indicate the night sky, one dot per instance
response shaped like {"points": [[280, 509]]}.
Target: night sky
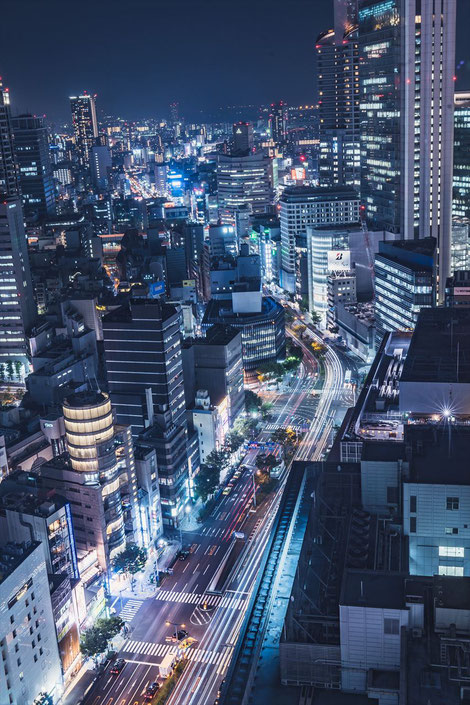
{"points": [[139, 55]]}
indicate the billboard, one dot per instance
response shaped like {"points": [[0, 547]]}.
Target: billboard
{"points": [[156, 289], [297, 173], [339, 260]]}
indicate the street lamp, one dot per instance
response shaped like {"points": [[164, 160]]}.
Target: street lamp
{"points": [[175, 625]]}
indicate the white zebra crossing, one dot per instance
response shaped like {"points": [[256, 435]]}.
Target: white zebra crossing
{"points": [[147, 648], [130, 609], [226, 601]]}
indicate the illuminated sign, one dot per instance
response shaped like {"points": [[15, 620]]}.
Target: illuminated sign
{"points": [[189, 282], [156, 289], [339, 260], [297, 173]]}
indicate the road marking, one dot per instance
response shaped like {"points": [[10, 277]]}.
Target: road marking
{"points": [[185, 567], [195, 568], [130, 609], [205, 571]]}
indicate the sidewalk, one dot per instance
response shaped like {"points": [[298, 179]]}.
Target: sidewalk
{"points": [[120, 586]]}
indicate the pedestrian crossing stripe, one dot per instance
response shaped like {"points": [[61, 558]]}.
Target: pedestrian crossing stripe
{"points": [[147, 648], [226, 601], [130, 610]]}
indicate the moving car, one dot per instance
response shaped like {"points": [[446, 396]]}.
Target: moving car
{"points": [[182, 555], [151, 691], [228, 489], [117, 666], [182, 634]]}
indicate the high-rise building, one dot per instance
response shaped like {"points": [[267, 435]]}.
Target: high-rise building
{"points": [[17, 306], [97, 476], [407, 121], [8, 168], [101, 163], [302, 206], [243, 181], [461, 183], [404, 281], [85, 125], [278, 117], [34, 166], [242, 137], [215, 363], [143, 363], [30, 655], [338, 98]]}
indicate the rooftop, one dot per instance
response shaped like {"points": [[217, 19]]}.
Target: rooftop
{"points": [[87, 398], [440, 347], [12, 555], [438, 453], [334, 193]]}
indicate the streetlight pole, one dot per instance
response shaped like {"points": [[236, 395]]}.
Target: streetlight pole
{"points": [[175, 625]]}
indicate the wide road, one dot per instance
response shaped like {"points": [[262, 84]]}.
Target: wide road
{"points": [[181, 596]]}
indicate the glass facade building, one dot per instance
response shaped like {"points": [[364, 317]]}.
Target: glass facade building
{"points": [[404, 277], [461, 183]]}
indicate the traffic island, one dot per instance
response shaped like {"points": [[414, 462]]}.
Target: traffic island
{"points": [[170, 683]]}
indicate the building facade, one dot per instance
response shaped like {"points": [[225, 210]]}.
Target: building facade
{"points": [[34, 167], [85, 125], [303, 206]]}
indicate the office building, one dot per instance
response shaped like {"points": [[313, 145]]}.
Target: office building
{"points": [[85, 125], [340, 289], [29, 512], [150, 510], [143, 363], [210, 422], [277, 122], [461, 182], [458, 289], [263, 331], [327, 253], [34, 167], [302, 206], [29, 654], [242, 138], [404, 281], [223, 240], [101, 164], [406, 188], [8, 168], [355, 323], [17, 308], [243, 181], [338, 99], [97, 476], [215, 363]]}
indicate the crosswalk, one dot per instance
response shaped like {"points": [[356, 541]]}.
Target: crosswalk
{"points": [[230, 601], [144, 649], [130, 610], [301, 428]]}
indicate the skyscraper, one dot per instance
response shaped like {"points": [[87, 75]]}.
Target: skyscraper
{"points": [[143, 362], [242, 137], [34, 166], [407, 119], [85, 125], [461, 185], [338, 98], [278, 121], [17, 307], [243, 181]]}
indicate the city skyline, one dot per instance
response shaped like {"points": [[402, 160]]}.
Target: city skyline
{"points": [[249, 63]]}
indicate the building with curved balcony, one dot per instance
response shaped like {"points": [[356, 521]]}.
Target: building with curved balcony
{"points": [[97, 475]]}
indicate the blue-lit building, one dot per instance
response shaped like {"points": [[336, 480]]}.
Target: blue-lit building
{"points": [[404, 275], [461, 184], [34, 166]]}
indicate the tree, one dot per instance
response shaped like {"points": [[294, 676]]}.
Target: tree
{"points": [[206, 481], [265, 409], [266, 463], [233, 441], [131, 560], [218, 459], [252, 401], [303, 304], [93, 643], [95, 640], [316, 318]]}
